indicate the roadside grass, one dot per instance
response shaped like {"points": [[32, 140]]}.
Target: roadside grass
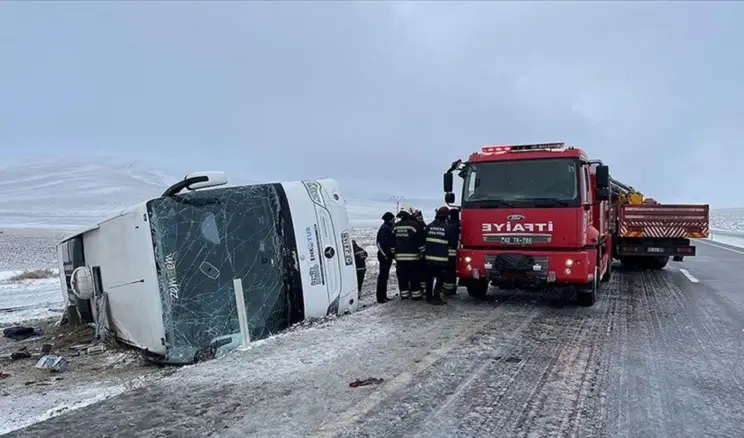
{"points": [[34, 274]]}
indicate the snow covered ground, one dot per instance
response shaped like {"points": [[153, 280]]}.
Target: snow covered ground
{"points": [[734, 238], [25, 300], [28, 395]]}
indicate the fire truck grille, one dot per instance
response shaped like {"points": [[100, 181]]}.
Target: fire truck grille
{"points": [[541, 260]]}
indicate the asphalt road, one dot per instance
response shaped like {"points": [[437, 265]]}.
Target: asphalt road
{"points": [[659, 355]]}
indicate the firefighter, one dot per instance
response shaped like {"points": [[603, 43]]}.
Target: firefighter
{"points": [[449, 285], [360, 260], [385, 251], [419, 216], [409, 245], [439, 240]]}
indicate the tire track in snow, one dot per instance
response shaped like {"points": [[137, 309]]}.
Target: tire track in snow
{"points": [[348, 419], [528, 372]]}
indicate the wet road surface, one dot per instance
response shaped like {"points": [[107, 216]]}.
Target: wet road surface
{"points": [[659, 355]]}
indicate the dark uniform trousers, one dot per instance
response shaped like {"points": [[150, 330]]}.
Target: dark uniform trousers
{"points": [[409, 278], [435, 277], [383, 276], [361, 273], [449, 282]]}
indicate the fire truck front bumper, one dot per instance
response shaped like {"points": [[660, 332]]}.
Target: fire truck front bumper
{"points": [[530, 267]]}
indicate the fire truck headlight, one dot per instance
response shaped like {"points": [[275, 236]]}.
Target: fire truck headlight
{"points": [[569, 262], [468, 259], [567, 271]]}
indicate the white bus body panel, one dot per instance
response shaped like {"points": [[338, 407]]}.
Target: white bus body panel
{"points": [[336, 205], [122, 246], [318, 224]]}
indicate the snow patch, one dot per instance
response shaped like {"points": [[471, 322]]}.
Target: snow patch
{"points": [[22, 411], [28, 299], [728, 238]]}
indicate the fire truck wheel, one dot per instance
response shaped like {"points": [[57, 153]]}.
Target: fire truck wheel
{"points": [[630, 263], [477, 288], [659, 262], [587, 296], [608, 274]]}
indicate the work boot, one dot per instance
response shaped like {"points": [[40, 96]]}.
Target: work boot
{"points": [[383, 301], [436, 301]]}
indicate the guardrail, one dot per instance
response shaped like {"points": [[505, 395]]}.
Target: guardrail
{"points": [[727, 233]]}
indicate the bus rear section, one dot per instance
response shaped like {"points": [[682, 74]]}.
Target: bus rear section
{"points": [[648, 234]]}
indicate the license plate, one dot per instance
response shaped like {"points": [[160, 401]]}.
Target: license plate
{"points": [[656, 250], [511, 240]]}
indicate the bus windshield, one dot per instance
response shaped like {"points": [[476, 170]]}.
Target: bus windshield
{"points": [[202, 241]]}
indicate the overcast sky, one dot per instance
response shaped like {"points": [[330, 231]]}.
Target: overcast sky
{"points": [[382, 96]]}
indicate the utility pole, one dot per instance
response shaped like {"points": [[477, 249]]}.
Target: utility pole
{"points": [[397, 200]]}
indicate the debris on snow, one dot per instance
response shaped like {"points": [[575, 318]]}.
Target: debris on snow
{"points": [[366, 382], [97, 349], [88, 379], [20, 332], [55, 364]]}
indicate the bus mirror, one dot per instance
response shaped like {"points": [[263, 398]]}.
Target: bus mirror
{"points": [[449, 197], [603, 177], [196, 180], [448, 182]]}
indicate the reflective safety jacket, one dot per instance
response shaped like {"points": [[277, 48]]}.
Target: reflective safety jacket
{"points": [[409, 240], [440, 239]]}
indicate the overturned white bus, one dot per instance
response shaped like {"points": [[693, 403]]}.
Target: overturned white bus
{"points": [[190, 276]]}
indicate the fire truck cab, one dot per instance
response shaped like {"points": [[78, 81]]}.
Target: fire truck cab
{"points": [[533, 214]]}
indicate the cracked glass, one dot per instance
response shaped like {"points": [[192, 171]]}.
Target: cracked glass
{"points": [[202, 241]]}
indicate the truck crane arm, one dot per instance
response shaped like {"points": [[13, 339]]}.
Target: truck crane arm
{"points": [[625, 194]]}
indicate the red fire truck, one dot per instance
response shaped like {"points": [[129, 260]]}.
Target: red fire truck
{"points": [[545, 214]]}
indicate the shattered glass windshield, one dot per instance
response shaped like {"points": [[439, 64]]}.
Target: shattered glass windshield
{"points": [[539, 182], [205, 239]]}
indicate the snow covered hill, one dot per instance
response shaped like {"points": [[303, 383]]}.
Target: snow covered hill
{"points": [[72, 194], [76, 194]]}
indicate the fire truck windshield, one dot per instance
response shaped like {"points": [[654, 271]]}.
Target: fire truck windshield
{"points": [[540, 182]]}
